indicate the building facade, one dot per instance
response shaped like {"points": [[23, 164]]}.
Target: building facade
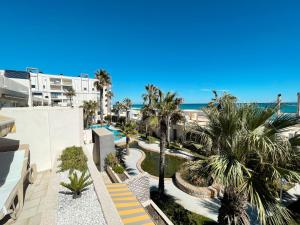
{"points": [[48, 89]]}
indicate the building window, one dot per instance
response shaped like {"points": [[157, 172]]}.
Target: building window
{"points": [[93, 89], [84, 89], [32, 86], [46, 96], [44, 86]]}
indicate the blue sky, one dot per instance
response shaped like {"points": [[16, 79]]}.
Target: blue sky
{"points": [[249, 48]]}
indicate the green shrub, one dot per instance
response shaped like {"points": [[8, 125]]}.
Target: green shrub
{"points": [[72, 158], [177, 214], [151, 140], [111, 160], [77, 185], [195, 174], [108, 118], [118, 169]]}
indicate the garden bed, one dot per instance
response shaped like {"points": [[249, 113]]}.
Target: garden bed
{"points": [[200, 192], [177, 214], [83, 210]]}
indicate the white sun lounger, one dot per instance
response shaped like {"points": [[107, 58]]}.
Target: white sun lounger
{"points": [[14, 171]]}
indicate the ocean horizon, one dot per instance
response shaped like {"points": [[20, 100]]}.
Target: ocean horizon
{"points": [[286, 107]]}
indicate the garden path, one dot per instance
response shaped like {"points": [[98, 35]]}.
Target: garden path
{"points": [[205, 207]]}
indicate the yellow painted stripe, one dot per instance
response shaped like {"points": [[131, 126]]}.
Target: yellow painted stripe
{"points": [[123, 205], [117, 190], [114, 187], [116, 184], [122, 194], [135, 219], [131, 211], [149, 224], [124, 198]]}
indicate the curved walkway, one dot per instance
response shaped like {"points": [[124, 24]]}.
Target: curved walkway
{"points": [[155, 148], [205, 207]]}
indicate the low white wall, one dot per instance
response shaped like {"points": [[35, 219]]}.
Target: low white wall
{"points": [[47, 130]]}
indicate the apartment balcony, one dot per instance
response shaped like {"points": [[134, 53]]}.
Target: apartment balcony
{"points": [[67, 82], [55, 81], [55, 87]]}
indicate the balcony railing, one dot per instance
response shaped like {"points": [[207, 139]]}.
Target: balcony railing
{"points": [[55, 87], [11, 85]]}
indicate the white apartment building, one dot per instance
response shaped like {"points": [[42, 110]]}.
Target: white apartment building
{"points": [[49, 89]]}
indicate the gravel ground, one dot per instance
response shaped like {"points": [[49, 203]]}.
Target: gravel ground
{"points": [[84, 210]]}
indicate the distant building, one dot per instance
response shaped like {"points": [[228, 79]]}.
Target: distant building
{"points": [[14, 93], [49, 89]]}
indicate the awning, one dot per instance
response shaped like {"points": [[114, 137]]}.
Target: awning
{"points": [[7, 125]]}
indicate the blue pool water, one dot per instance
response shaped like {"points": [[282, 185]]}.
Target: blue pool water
{"points": [[117, 134]]}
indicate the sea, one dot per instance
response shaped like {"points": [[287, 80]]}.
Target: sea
{"points": [[285, 107]]}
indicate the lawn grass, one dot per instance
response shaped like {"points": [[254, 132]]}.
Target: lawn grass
{"points": [[151, 164], [177, 214]]}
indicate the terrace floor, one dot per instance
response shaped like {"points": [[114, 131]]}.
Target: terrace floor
{"points": [[36, 201]]}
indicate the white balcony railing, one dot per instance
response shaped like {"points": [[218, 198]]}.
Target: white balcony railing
{"points": [[11, 85]]}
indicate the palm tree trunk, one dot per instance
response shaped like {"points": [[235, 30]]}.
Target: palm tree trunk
{"points": [[127, 145], [168, 132], [101, 104], [233, 208], [146, 128], [161, 184]]}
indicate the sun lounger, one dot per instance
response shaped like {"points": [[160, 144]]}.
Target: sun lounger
{"points": [[15, 170]]}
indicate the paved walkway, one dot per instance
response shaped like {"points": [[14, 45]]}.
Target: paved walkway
{"points": [[155, 148], [129, 208], [205, 207], [35, 201]]}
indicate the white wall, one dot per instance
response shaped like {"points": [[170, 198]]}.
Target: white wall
{"points": [[47, 130]]}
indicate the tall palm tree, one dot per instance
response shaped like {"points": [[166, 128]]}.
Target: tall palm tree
{"points": [[127, 104], [129, 129], [89, 111], [103, 80], [117, 108], [151, 95], [148, 109], [165, 106], [249, 156], [109, 95], [70, 93]]}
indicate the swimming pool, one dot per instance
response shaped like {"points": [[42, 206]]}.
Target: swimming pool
{"points": [[117, 134]]}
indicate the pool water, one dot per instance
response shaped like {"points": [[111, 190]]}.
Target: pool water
{"points": [[117, 134], [151, 164]]}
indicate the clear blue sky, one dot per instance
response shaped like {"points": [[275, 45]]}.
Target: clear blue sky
{"points": [[250, 48]]}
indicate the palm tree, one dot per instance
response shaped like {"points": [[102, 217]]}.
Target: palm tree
{"points": [[148, 109], [117, 108], [147, 118], [70, 93], [103, 80], [129, 129], [164, 107], [89, 111], [127, 104], [151, 95], [250, 157], [109, 95]]}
